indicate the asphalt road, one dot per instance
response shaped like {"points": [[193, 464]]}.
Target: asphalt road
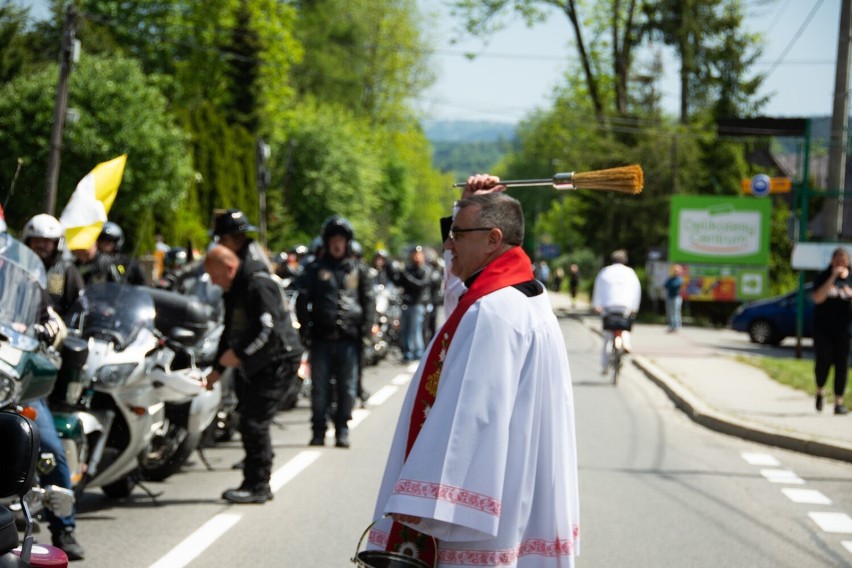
{"points": [[656, 490]]}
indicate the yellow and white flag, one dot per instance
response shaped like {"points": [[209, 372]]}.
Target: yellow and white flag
{"points": [[86, 212]]}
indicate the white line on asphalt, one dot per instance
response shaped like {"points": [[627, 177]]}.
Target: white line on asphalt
{"points": [[382, 395], [833, 522], [412, 368], [809, 496], [847, 544], [759, 459], [292, 468], [358, 416], [197, 542], [782, 476], [401, 379]]}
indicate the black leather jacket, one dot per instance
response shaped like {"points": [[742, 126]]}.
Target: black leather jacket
{"points": [[336, 300], [258, 326]]}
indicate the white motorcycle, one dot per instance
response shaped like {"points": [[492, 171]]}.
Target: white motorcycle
{"points": [[113, 410], [191, 339]]}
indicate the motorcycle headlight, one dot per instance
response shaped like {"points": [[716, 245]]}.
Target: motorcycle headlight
{"points": [[114, 375]]}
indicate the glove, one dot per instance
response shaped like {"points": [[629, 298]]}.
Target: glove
{"points": [[59, 500]]}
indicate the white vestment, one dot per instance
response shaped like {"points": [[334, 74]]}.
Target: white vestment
{"points": [[493, 472]]}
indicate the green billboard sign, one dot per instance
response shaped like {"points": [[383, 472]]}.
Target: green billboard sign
{"points": [[719, 230]]}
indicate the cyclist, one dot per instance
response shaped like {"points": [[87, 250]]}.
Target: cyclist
{"points": [[617, 290]]}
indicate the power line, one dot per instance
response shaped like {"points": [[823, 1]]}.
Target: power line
{"points": [[795, 38]]}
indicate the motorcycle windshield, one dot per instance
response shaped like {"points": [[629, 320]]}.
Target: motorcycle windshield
{"points": [[113, 311], [22, 282]]}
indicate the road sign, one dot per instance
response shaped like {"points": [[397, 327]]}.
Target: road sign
{"points": [[758, 185]]}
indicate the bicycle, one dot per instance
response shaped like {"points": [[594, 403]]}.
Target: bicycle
{"points": [[616, 323]]}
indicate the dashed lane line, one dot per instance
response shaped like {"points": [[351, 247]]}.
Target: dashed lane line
{"points": [[782, 476], [847, 544], [832, 522], [807, 496], [196, 543], [760, 459]]}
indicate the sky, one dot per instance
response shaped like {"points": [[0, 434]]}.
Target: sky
{"points": [[516, 69]]}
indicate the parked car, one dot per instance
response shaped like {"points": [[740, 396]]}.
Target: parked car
{"points": [[769, 321]]}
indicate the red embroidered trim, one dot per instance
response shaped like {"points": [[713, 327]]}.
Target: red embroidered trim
{"points": [[532, 547], [454, 495], [377, 537]]}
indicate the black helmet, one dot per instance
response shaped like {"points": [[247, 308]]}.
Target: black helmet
{"points": [[232, 222], [337, 225], [176, 256], [300, 250], [112, 232]]}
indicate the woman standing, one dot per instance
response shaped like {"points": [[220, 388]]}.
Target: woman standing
{"points": [[832, 294]]}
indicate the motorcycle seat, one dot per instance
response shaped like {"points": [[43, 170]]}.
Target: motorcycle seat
{"points": [[19, 442], [8, 531]]}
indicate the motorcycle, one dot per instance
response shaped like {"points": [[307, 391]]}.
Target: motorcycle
{"points": [[385, 332], [19, 443], [112, 412], [191, 339]]}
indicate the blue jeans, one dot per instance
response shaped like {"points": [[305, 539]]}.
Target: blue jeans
{"points": [[412, 331], [336, 359], [60, 475], [673, 306]]}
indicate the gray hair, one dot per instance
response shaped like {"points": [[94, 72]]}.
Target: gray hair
{"points": [[619, 256], [501, 211]]}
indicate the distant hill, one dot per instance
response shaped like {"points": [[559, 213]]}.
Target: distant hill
{"points": [[467, 130], [466, 147]]}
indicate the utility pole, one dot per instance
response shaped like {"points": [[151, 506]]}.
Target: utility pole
{"points": [[67, 57], [839, 124]]}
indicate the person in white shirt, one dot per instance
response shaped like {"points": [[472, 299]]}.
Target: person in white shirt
{"points": [[617, 290]]}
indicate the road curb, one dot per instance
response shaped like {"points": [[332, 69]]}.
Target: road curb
{"points": [[702, 414]]}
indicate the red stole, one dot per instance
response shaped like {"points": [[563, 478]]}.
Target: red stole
{"points": [[510, 268]]}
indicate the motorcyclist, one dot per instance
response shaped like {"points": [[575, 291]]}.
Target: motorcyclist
{"points": [[46, 237], [230, 229], [335, 307], [110, 243], [102, 261]]}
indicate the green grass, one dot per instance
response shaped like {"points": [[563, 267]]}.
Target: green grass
{"points": [[797, 373]]}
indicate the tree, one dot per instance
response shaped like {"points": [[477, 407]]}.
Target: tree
{"points": [[120, 112], [13, 54]]}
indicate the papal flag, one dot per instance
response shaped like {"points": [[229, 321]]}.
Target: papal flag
{"points": [[86, 212]]}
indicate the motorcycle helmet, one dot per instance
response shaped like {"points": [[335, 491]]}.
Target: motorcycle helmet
{"points": [[112, 232], [300, 250], [46, 227], [232, 222], [337, 225], [176, 257]]}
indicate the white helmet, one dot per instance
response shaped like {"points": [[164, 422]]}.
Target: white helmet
{"points": [[46, 227]]}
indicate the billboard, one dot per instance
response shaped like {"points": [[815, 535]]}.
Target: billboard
{"points": [[719, 230]]}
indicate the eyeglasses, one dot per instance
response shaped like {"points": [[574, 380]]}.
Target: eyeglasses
{"points": [[454, 231]]}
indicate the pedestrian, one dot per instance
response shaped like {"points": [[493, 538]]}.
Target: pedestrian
{"points": [[336, 309], [483, 460], [558, 278], [46, 237], [674, 300], [616, 291], [573, 283], [542, 273], [259, 339], [832, 294], [415, 282]]}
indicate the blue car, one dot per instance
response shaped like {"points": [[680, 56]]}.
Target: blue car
{"points": [[769, 321]]}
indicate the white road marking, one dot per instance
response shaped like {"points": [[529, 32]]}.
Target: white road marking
{"points": [[401, 379], [197, 542], [760, 459], [382, 395], [782, 476], [292, 468], [412, 368], [358, 416], [809, 496], [833, 522], [847, 544]]}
